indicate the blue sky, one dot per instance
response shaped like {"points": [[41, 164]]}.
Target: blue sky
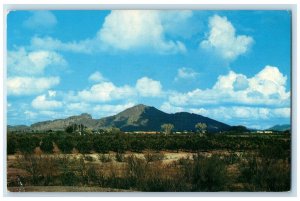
{"points": [[233, 66]]}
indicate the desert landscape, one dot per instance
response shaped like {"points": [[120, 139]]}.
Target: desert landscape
{"points": [[111, 160], [148, 100]]}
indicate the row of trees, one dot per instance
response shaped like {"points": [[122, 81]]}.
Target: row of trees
{"points": [[122, 142]]}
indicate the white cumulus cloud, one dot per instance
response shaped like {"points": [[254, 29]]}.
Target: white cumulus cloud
{"points": [[106, 91], [223, 39], [44, 102], [168, 108], [134, 29], [29, 85], [129, 30], [22, 62], [111, 109], [268, 87], [147, 87]]}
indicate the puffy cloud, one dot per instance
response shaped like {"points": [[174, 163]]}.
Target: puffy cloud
{"points": [[128, 30], [105, 91], [42, 102], [134, 29], [28, 85], [240, 83], [107, 110], [95, 109], [40, 19], [186, 73], [21, 62], [148, 88], [26, 67], [223, 39], [269, 81], [168, 108], [96, 77], [268, 87]]}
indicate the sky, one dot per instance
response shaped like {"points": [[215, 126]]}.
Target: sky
{"points": [[232, 66]]}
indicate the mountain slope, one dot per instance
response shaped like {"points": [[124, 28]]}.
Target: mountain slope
{"points": [[61, 124], [146, 118], [137, 118]]}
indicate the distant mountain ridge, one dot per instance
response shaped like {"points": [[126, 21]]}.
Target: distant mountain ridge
{"points": [[282, 127], [61, 124], [136, 118], [18, 128]]}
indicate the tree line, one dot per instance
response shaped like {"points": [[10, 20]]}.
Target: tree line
{"points": [[121, 142]]}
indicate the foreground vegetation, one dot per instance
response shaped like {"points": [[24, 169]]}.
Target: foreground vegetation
{"points": [[140, 162]]}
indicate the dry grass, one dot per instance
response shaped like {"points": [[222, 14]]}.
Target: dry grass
{"points": [[147, 171]]}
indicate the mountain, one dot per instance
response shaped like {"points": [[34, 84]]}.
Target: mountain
{"points": [[282, 127], [147, 118], [18, 128], [137, 118], [61, 124]]}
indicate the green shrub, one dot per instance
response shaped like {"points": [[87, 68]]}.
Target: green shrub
{"points": [[89, 158], [69, 179], [65, 144], [120, 157], [11, 145], [84, 146], [136, 170], [47, 145], [262, 174], [231, 159], [151, 156], [27, 144], [206, 174], [104, 158]]}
